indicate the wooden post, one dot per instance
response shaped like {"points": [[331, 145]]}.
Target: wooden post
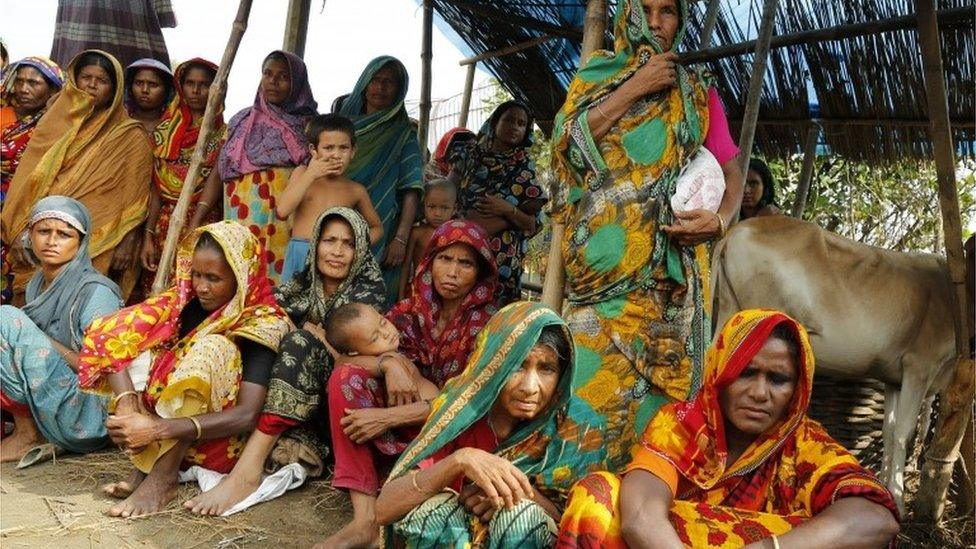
{"points": [[806, 175], [711, 17], [956, 401], [425, 78], [553, 286], [216, 97], [296, 26], [466, 98], [751, 114]]}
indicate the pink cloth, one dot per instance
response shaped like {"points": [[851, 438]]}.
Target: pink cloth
{"points": [[718, 140]]}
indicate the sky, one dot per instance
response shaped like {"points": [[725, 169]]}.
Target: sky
{"points": [[343, 36]]}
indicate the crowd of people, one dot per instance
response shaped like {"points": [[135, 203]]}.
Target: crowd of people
{"points": [[337, 304]]}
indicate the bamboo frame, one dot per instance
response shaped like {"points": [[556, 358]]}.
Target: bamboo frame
{"points": [[466, 97], [806, 174], [425, 78], [296, 26], [751, 114]]}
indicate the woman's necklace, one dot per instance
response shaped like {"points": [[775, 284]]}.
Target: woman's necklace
{"points": [[491, 425]]}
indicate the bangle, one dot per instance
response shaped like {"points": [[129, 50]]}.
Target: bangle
{"points": [[400, 240], [775, 542], [413, 478], [600, 110], [120, 396], [721, 225], [196, 423], [150, 231], [202, 204]]}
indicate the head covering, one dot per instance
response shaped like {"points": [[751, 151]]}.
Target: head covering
{"points": [[48, 69], [266, 135], [487, 131], [303, 297], [555, 449], [768, 197], [445, 152], [112, 342], [55, 308], [441, 358], [166, 75]]}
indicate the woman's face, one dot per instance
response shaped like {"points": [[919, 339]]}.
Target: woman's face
{"points": [[662, 17], [511, 127], [54, 242], [753, 191], [455, 271], [336, 250], [96, 82], [382, 90], [758, 398], [212, 278], [31, 90], [275, 81], [149, 89], [196, 87], [529, 390]]}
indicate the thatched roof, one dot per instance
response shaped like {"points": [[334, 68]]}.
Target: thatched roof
{"points": [[866, 91]]}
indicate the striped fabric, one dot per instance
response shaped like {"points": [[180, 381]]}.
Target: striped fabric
{"points": [[128, 29]]}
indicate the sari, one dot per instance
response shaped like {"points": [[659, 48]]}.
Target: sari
{"points": [[35, 379], [554, 450], [638, 305], [264, 144], [509, 175], [790, 473], [100, 158], [200, 372], [387, 160], [174, 141], [446, 153]]}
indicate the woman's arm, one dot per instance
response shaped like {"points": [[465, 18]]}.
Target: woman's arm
{"points": [[397, 246], [407, 266], [644, 504], [522, 218], [849, 523], [149, 255], [657, 74], [210, 196]]}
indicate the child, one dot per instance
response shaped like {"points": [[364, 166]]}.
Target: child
{"points": [[321, 185], [440, 204]]}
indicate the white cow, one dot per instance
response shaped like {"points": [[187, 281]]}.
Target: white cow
{"points": [[871, 313]]}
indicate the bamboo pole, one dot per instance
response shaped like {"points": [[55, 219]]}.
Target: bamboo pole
{"points": [[425, 79], [466, 98], [806, 174], [296, 26], [217, 92], [553, 286], [755, 84], [711, 17], [956, 400], [507, 50]]}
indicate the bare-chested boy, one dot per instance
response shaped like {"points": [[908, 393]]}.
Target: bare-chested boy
{"points": [[322, 185], [440, 205]]}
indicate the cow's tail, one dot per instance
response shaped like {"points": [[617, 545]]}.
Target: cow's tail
{"points": [[720, 284]]}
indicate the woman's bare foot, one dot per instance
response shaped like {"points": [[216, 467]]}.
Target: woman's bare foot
{"points": [[354, 534], [231, 490], [124, 489], [14, 447], [151, 496]]}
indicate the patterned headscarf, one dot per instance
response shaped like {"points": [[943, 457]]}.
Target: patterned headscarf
{"points": [[441, 358], [445, 152], [303, 297], [48, 69]]}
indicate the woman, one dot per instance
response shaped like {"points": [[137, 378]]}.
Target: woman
{"points": [[148, 89], [451, 301], [387, 158], [497, 425], [446, 153], [213, 338], [759, 195], [747, 465], [90, 150], [293, 426], [175, 139], [637, 273], [39, 344], [264, 144], [498, 190]]}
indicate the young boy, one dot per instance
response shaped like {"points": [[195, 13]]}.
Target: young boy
{"points": [[440, 204], [321, 185]]}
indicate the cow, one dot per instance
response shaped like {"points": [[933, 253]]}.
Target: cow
{"points": [[870, 312]]}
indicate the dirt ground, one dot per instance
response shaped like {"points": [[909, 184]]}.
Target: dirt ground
{"points": [[60, 505]]}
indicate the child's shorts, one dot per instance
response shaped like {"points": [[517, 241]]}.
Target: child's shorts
{"points": [[295, 257]]}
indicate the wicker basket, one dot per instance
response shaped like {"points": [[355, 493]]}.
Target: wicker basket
{"points": [[852, 411]]}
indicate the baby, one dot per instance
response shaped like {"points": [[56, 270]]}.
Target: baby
{"points": [[440, 205]]}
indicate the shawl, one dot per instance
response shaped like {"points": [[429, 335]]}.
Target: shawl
{"points": [[555, 449], [267, 136], [303, 297], [794, 467], [415, 317], [102, 159], [446, 150], [147, 63], [175, 139], [633, 167], [56, 308], [113, 341]]}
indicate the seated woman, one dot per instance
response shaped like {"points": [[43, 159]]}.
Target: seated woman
{"points": [[451, 301], [213, 338], [39, 344], [749, 467], [759, 193], [494, 461], [340, 269]]}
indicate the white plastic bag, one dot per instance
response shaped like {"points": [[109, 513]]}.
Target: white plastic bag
{"points": [[701, 184]]}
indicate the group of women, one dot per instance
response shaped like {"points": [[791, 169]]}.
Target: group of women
{"points": [[461, 420]]}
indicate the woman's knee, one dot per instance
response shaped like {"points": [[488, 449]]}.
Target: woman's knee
{"points": [[12, 318]]}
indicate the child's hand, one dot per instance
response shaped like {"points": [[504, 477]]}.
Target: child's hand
{"points": [[315, 329], [322, 166], [494, 205], [401, 388]]}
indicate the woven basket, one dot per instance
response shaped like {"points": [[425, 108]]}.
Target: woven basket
{"points": [[852, 411]]}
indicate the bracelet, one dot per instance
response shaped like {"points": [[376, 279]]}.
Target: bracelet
{"points": [[196, 423], [775, 542], [150, 231], [120, 396], [400, 240], [203, 204], [721, 225], [599, 110], [413, 477]]}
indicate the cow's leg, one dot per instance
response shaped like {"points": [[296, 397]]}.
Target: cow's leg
{"points": [[907, 407], [924, 424], [892, 393]]}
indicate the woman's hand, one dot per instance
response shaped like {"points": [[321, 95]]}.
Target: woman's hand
{"points": [[503, 483], [396, 249], [315, 330], [477, 503], [133, 432], [657, 74], [493, 205], [149, 256], [125, 254], [694, 227], [401, 387], [364, 424]]}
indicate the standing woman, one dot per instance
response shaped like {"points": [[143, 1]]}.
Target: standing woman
{"points": [[175, 139], [387, 158], [637, 272], [148, 89], [759, 195], [497, 189], [264, 144], [86, 148]]}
